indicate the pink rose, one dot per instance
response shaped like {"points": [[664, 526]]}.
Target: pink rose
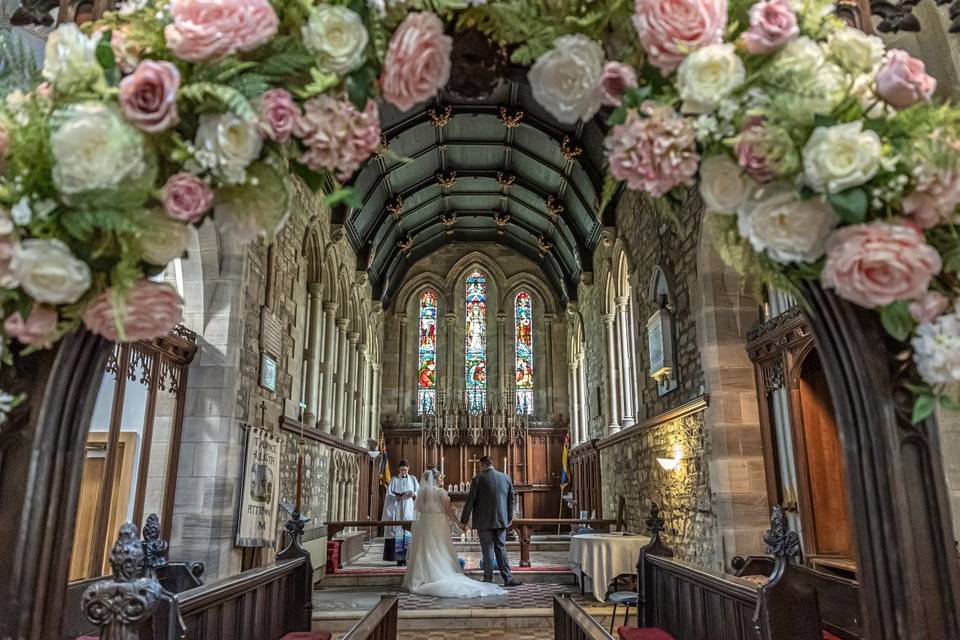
{"points": [[148, 96], [44, 90], [212, 29], [929, 306], [772, 25], [279, 113], [337, 136], [878, 263], [751, 152], [417, 64], [38, 330], [653, 152], [152, 310], [186, 197], [616, 80], [125, 50], [936, 194], [672, 29], [903, 81]]}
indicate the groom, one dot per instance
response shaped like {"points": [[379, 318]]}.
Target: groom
{"points": [[490, 502]]}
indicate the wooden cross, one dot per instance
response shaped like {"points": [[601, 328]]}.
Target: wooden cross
{"points": [[474, 460]]}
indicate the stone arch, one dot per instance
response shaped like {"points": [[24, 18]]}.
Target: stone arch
{"points": [[411, 290], [464, 265]]}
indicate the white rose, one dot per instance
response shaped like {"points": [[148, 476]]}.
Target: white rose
{"points": [[49, 272], [864, 89], [807, 83], [723, 184], [94, 148], [774, 219], [232, 142], [936, 349], [709, 75], [854, 50], [337, 36], [168, 241], [840, 157], [566, 79], [70, 59]]}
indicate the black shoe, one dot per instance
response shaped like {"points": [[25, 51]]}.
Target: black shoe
{"points": [[488, 579], [512, 583]]}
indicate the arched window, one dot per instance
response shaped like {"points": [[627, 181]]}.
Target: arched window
{"points": [[427, 354], [523, 351], [475, 347]]}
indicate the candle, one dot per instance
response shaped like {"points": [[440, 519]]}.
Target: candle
{"points": [[442, 460], [504, 464]]}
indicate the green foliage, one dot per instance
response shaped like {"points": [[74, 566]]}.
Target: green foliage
{"points": [[84, 224], [19, 67], [219, 98], [610, 185], [923, 407], [946, 240], [29, 155], [346, 195], [851, 205], [896, 320], [322, 82]]}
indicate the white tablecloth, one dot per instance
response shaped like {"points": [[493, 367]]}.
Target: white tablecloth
{"points": [[604, 556]]}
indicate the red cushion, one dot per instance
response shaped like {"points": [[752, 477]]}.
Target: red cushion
{"points": [[829, 636], [308, 635], [648, 633]]}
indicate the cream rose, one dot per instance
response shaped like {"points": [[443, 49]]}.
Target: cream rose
{"points": [[854, 50], [723, 184], [775, 220], [709, 75], [93, 149], [231, 142], [168, 240], [49, 272], [566, 79], [337, 36], [70, 59], [840, 157], [808, 84]]}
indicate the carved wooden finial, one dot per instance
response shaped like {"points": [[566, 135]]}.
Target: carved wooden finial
{"points": [[154, 547], [655, 524], [781, 542]]}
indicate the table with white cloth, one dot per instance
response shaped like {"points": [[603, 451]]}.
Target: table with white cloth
{"points": [[604, 556]]}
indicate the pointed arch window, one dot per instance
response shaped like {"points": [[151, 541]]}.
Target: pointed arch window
{"points": [[523, 351], [475, 344], [427, 354]]}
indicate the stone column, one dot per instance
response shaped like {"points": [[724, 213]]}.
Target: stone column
{"points": [[501, 359], [360, 391], [311, 385], [375, 404], [582, 399], [626, 361], [550, 395], [339, 395], [329, 363], [402, 369], [450, 375], [350, 388], [614, 425], [574, 399]]}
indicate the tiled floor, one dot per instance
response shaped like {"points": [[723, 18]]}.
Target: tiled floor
{"points": [[372, 558]]}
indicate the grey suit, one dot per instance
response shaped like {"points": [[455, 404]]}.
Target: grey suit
{"points": [[490, 502]]}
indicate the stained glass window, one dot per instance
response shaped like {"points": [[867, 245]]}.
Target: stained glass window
{"points": [[427, 354], [523, 351], [475, 349]]}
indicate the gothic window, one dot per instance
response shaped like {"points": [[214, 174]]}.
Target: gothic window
{"points": [[427, 354], [523, 352], [475, 347]]}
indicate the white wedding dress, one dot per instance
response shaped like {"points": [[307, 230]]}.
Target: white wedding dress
{"points": [[432, 565]]}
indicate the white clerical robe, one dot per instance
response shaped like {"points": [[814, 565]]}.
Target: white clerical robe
{"points": [[396, 509]]}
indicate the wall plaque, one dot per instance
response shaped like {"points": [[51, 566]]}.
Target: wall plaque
{"points": [[660, 344], [268, 372]]}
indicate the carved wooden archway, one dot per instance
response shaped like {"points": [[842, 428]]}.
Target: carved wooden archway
{"points": [[908, 569]]}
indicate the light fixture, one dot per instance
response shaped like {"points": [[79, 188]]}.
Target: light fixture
{"points": [[669, 464]]}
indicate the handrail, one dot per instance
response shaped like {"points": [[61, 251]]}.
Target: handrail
{"points": [[571, 622], [725, 583], [379, 624], [196, 599]]}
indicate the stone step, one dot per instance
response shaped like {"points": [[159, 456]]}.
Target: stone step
{"points": [[453, 619], [395, 579]]}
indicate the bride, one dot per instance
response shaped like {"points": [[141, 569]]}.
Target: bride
{"points": [[432, 565]]}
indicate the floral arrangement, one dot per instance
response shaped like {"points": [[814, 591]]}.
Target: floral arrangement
{"points": [[819, 155]]}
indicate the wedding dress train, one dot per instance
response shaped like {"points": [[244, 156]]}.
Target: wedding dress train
{"points": [[432, 565]]}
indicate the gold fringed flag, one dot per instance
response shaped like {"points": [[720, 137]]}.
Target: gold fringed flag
{"points": [[384, 462]]}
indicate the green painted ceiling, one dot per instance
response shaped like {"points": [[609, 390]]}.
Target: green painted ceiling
{"points": [[498, 169]]}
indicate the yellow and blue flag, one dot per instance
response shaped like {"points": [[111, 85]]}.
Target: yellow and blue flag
{"points": [[565, 463], [384, 462]]}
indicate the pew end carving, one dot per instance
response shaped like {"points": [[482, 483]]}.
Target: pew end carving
{"points": [[175, 577]]}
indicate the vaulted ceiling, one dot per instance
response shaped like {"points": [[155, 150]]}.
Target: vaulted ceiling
{"points": [[497, 169]]}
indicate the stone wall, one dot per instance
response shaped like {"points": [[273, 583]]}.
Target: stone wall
{"points": [[315, 492], [630, 469]]}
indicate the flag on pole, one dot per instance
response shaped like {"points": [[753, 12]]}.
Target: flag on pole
{"points": [[384, 462], [565, 463]]}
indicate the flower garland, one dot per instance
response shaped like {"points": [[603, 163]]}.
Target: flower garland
{"points": [[818, 154]]}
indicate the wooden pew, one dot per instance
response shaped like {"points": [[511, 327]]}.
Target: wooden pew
{"points": [[379, 624], [571, 622]]}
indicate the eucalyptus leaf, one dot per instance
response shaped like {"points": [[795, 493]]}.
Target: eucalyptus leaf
{"points": [[617, 117], [850, 205], [923, 408], [897, 320]]}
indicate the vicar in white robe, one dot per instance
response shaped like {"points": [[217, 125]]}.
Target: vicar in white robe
{"points": [[398, 504]]}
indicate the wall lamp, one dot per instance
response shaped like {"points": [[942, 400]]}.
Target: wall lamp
{"points": [[670, 464]]}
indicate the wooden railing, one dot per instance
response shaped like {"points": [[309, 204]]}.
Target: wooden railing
{"points": [[571, 622], [525, 527], [379, 624], [333, 528]]}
